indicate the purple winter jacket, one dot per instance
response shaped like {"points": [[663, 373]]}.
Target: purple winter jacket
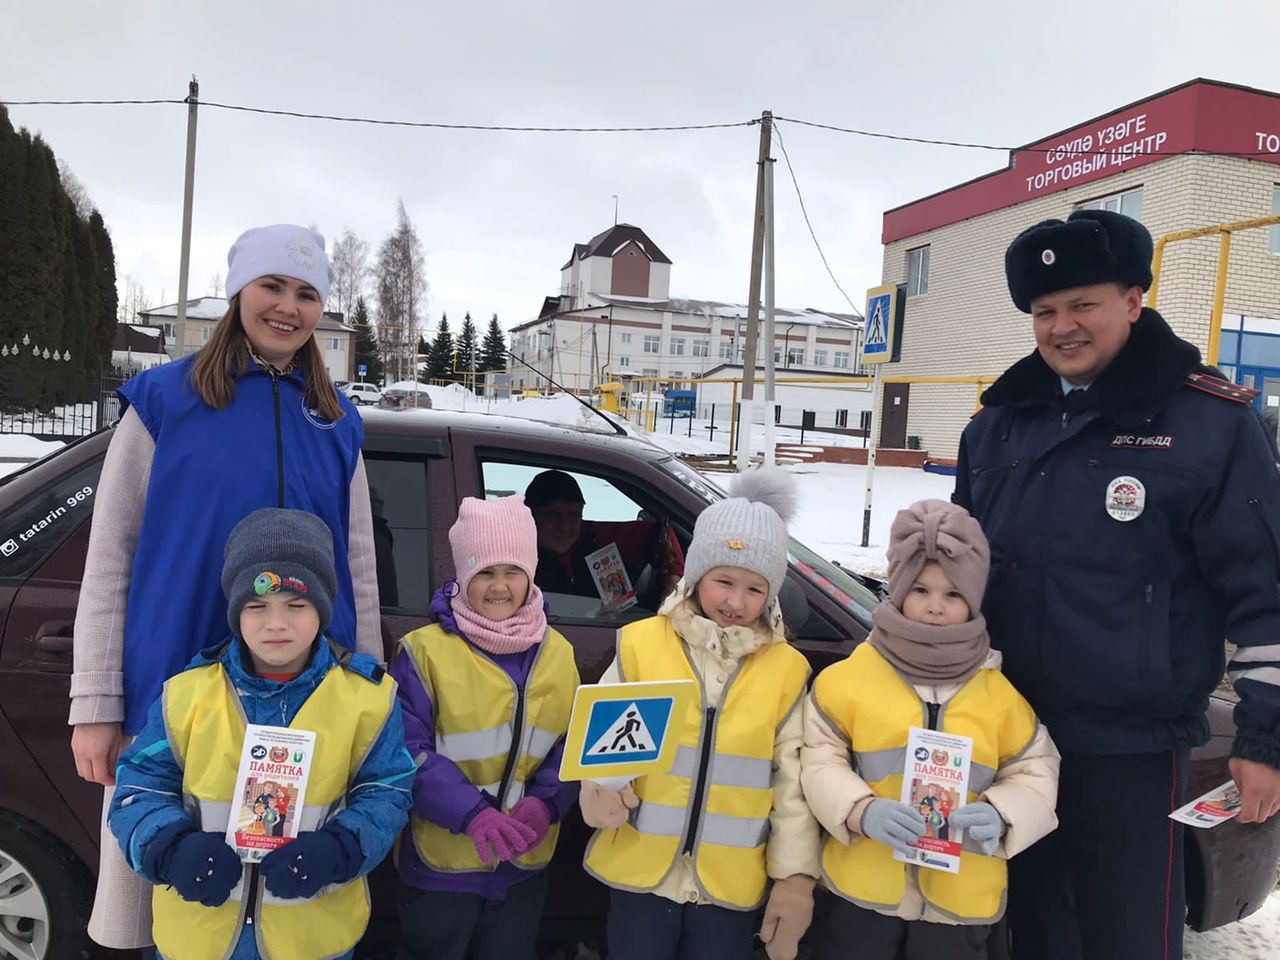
{"points": [[441, 791]]}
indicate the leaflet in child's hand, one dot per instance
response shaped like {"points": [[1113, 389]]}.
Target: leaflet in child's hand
{"points": [[935, 782], [1217, 806], [270, 789], [610, 574]]}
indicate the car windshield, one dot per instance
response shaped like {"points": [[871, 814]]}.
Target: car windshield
{"points": [[828, 577]]}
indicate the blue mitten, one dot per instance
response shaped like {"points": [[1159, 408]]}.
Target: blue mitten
{"points": [[982, 822], [303, 867], [892, 823], [199, 865]]}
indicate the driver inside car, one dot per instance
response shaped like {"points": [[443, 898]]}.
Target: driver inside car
{"points": [[565, 540]]}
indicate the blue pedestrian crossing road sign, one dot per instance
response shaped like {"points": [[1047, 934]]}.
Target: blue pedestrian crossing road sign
{"points": [[625, 729], [882, 317]]}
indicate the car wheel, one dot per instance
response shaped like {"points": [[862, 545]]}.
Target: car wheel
{"points": [[45, 894]]}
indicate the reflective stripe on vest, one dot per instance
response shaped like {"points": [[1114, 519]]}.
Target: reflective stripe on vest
{"points": [[873, 708], [205, 723], [728, 839], [478, 711]]}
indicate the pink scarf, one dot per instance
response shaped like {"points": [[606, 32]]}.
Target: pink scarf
{"points": [[516, 634]]}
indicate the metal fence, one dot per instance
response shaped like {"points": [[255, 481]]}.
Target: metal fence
{"points": [[67, 421]]}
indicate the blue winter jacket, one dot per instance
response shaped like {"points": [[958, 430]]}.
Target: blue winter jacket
{"points": [[148, 795], [1110, 599], [212, 468]]}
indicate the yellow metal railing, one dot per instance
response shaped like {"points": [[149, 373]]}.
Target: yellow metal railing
{"points": [[1224, 231]]}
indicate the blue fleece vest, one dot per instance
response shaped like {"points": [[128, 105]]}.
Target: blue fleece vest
{"points": [[212, 468]]}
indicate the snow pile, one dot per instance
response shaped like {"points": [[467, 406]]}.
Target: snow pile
{"points": [[17, 450]]}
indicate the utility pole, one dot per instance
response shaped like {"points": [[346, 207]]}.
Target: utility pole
{"points": [[753, 294], [770, 358], [188, 190]]}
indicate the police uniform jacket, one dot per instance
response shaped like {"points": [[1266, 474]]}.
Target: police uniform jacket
{"points": [[1133, 529]]}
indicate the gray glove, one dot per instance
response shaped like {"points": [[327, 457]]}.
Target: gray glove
{"points": [[892, 823], [982, 823]]}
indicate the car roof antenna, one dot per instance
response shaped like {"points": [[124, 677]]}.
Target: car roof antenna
{"points": [[599, 413]]}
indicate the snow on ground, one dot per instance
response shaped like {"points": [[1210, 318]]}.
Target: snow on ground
{"points": [[830, 516], [1253, 938], [17, 450]]}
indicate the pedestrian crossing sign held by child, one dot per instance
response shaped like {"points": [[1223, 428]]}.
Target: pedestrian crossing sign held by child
{"points": [[625, 729]]}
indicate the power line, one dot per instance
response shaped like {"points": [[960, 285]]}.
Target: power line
{"points": [[808, 222], [83, 103], [376, 121], [1070, 154], [513, 128]]}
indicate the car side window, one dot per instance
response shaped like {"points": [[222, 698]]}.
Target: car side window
{"points": [[30, 532], [401, 503], [587, 559]]}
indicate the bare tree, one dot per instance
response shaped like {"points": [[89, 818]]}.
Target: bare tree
{"points": [[75, 190], [350, 271], [132, 301], [402, 289], [215, 285]]}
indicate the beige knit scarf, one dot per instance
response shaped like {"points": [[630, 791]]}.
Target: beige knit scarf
{"points": [[927, 654]]}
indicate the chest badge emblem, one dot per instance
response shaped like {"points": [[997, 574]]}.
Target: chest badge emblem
{"points": [[1126, 499]]}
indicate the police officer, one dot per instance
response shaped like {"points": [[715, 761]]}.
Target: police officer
{"points": [[1133, 506]]}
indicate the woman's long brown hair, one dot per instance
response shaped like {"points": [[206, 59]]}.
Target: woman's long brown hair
{"points": [[226, 357]]}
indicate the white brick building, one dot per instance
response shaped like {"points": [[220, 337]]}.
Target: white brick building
{"points": [[1159, 159], [614, 318]]}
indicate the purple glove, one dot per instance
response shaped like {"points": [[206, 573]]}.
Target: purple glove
{"points": [[508, 837], [533, 813]]}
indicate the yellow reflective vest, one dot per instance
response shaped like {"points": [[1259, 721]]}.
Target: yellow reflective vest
{"points": [[206, 725], [714, 803], [874, 707], [496, 733]]}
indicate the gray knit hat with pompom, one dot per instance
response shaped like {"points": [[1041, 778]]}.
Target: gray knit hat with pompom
{"points": [[747, 530]]}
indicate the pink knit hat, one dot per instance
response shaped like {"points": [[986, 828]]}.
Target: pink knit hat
{"points": [[941, 531], [490, 532]]}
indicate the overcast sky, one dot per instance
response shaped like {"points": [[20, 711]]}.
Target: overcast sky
{"points": [[498, 212]]}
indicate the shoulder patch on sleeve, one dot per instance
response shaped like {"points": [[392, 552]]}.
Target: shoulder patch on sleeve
{"points": [[1217, 387]]}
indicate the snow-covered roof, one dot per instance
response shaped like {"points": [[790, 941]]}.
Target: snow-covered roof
{"points": [[213, 308], [201, 308], [153, 332], [708, 309]]}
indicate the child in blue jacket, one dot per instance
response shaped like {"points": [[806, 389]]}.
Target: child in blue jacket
{"points": [[176, 782]]}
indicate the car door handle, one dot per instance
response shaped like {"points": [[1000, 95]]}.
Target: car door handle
{"points": [[53, 639]]}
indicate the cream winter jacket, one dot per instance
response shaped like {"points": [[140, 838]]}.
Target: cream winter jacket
{"points": [[793, 846], [1025, 791]]}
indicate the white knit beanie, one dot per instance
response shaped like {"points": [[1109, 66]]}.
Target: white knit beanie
{"points": [[747, 530], [282, 249]]}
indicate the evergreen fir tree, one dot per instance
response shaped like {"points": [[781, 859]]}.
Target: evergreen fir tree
{"points": [[106, 306], [57, 280], [493, 353], [440, 357], [468, 353], [368, 350]]}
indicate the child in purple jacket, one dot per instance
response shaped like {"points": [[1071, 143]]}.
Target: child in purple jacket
{"points": [[486, 692]]}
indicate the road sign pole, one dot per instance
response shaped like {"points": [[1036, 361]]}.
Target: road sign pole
{"points": [[871, 456], [877, 349]]}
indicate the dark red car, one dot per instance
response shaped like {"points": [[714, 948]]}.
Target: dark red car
{"points": [[420, 464]]}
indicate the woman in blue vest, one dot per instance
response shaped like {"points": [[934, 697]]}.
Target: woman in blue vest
{"points": [[251, 420]]}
